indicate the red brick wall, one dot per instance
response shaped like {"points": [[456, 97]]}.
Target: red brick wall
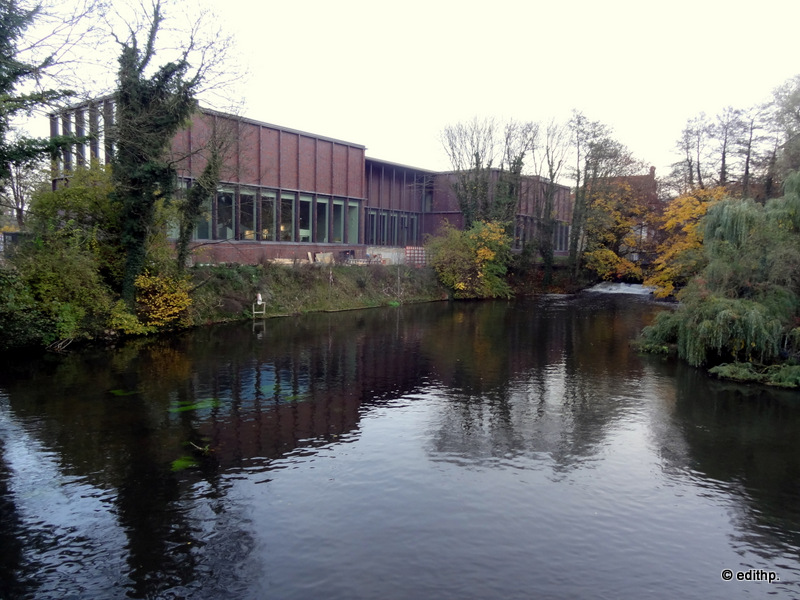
{"points": [[271, 156]]}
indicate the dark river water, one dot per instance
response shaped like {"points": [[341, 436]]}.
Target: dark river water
{"points": [[469, 450]]}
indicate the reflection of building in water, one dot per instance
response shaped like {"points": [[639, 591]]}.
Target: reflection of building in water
{"points": [[277, 393]]}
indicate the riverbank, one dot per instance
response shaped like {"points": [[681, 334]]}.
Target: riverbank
{"points": [[228, 292]]}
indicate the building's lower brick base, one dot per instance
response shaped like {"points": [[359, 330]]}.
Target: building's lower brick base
{"points": [[253, 253]]}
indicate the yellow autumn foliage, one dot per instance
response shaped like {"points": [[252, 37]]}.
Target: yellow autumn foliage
{"points": [[609, 266], [160, 300], [616, 219], [680, 256], [472, 263]]}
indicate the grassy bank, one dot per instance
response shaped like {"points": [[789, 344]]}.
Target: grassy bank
{"points": [[224, 293], [214, 294]]}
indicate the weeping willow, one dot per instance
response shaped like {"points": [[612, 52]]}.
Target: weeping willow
{"points": [[732, 221], [743, 307]]}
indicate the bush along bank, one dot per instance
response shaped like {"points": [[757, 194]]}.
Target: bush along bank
{"points": [[205, 295]]}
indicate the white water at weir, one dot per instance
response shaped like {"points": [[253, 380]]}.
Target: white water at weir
{"points": [[608, 287]]}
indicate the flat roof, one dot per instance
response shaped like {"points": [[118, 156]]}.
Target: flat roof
{"points": [[280, 127], [399, 165]]}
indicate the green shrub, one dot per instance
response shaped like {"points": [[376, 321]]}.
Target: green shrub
{"points": [[21, 321], [64, 282], [472, 263]]}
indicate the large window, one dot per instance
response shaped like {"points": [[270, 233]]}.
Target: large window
{"points": [[321, 236], [287, 217], [380, 235], [268, 215], [402, 234], [247, 214], [352, 223], [225, 214], [371, 230], [391, 234], [561, 241], [304, 218], [338, 221], [251, 213], [385, 228], [202, 230]]}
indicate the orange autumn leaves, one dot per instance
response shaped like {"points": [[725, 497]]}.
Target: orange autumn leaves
{"points": [[680, 254]]}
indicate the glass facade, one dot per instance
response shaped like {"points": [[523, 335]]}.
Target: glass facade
{"points": [[391, 228], [263, 214]]}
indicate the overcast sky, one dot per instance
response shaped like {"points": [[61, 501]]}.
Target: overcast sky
{"points": [[392, 75]]}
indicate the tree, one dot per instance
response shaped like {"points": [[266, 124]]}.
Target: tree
{"points": [[150, 109], [748, 148], [680, 256], [550, 159], [202, 190], [24, 179], [614, 222], [727, 131], [744, 306], [20, 94], [519, 141], [471, 149], [786, 113], [599, 159], [692, 171], [472, 263], [67, 264], [487, 162]]}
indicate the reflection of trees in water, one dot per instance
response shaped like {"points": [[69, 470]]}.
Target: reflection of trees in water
{"points": [[561, 371], [550, 377], [298, 383], [515, 375], [748, 438]]}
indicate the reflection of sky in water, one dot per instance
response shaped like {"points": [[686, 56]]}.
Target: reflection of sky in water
{"points": [[500, 524], [73, 538], [491, 452]]}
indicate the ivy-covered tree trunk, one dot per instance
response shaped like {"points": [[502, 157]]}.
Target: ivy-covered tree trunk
{"points": [[201, 191], [149, 112]]}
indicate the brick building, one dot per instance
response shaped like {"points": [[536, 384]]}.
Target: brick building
{"points": [[286, 193]]}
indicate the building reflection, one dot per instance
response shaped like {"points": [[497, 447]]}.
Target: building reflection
{"points": [[223, 397], [553, 377]]}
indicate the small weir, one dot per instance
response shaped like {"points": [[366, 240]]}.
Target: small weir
{"points": [[609, 287]]}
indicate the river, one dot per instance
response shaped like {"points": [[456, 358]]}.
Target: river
{"points": [[451, 450]]}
